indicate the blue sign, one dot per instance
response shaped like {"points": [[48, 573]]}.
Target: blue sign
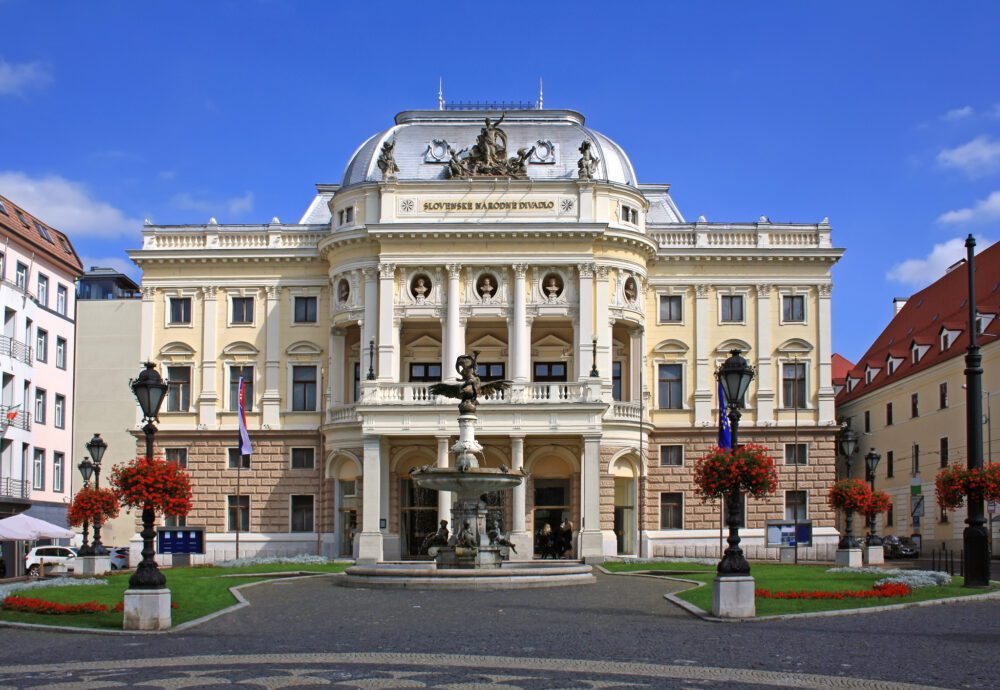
{"points": [[180, 540]]}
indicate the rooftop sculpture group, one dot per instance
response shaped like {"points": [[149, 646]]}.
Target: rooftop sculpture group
{"points": [[488, 156]]}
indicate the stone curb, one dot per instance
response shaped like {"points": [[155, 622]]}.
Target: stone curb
{"points": [[241, 602]]}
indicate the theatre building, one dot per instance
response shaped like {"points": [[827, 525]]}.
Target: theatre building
{"points": [[526, 237]]}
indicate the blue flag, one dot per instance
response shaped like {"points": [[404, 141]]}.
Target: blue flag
{"points": [[725, 437]]}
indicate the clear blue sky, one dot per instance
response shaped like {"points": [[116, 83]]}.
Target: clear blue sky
{"points": [[883, 116]]}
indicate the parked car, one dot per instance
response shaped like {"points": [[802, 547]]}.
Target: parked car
{"points": [[54, 558], [899, 547], [119, 557]]}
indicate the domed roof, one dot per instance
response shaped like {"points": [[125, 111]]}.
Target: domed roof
{"points": [[423, 138]]}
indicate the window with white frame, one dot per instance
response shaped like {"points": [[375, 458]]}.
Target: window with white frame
{"points": [[629, 214], [41, 345], [671, 308], [60, 352], [345, 216], [38, 470], [670, 387], [58, 472], [180, 311], [62, 299], [796, 505], [303, 388], [671, 510], [178, 389], [21, 275], [305, 309], [235, 372], [731, 308], [59, 412], [793, 385], [302, 512], [40, 405], [303, 458], [793, 308], [671, 455], [43, 290], [242, 310]]}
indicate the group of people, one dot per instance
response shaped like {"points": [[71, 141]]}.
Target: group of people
{"points": [[552, 543]]}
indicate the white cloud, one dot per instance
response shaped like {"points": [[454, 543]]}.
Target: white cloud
{"points": [[975, 158], [959, 113], [67, 205], [16, 78], [235, 206], [982, 211], [120, 264], [922, 272]]}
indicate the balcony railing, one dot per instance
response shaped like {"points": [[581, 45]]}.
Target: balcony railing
{"points": [[383, 393], [17, 418], [624, 412], [15, 488], [15, 349]]}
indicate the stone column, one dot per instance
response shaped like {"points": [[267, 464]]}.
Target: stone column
{"points": [[386, 354], [603, 327], [146, 321], [208, 399], [591, 538], [370, 539], [764, 377], [444, 497], [520, 343], [271, 400], [519, 535], [338, 366], [454, 332], [585, 321], [704, 392], [369, 323], [824, 351]]}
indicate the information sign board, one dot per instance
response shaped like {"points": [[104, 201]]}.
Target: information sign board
{"points": [[787, 533], [180, 540]]}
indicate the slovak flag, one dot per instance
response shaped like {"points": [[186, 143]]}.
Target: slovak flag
{"points": [[725, 437], [245, 447]]}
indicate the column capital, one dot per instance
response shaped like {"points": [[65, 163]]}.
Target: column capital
{"points": [[763, 290], [825, 289], [148, 292], [454, 270], [586, 270], [369, 272], [209, 292], [702, 289], [386, 271], [520, 270], [272, 291], [602, 272]]}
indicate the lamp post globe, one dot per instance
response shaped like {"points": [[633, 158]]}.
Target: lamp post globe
{"points": [[871, 464], [96, 447], [149, 390], [734, 376], [86, 468]]}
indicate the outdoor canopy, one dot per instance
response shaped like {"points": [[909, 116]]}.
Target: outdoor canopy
{"points": [[26, 528]]}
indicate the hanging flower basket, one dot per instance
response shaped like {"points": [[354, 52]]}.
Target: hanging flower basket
{"points": [[92, 505], [850, 494], [953, 484], [748, 469], [153, 484], [878, 503]]}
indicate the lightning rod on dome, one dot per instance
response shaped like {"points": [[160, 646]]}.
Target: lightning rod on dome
{"points": [[440, 93], [541, 96]]}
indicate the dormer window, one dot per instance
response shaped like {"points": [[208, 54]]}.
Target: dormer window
{"points": [[917, 351], [851, 383], [948, 338], [983, 322], [630, 214], [870, 374]]}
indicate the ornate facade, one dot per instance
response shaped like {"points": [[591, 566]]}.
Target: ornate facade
{"points": [[589, 291]]}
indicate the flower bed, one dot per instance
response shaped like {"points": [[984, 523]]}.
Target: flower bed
{"points": [[304, 559], [55, 582], [30, 605], [879, 591]]}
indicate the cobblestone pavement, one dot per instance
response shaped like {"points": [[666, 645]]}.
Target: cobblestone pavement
{"points": [[618, 633]]}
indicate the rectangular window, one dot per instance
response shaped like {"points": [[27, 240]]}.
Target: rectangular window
{"points": [[793, 308], [671, 308], [40, 405], [671, 455], [616, 381], [425, 372], [671, 510], [888, 414], [238, 509], [21, 275], [868, 422], [732, 308], [41, 345], [304, 389], [303, 458], [795, 505], [58, 470], [889, 517], [178, 389], [43, 290], [944, 451], [793, 375], [302, 513], [178, 456], [943, 396], [916, 459], [796, 453], [237, 461], [550, 371], [915, 405], [44, 232], [242, 310], [305, 310], [59, 414], [234, 388], [62, 299], [60, 352], [174, 521], [669, 384], [180, 310], [888, 464], [491, 371], [38, 470]]}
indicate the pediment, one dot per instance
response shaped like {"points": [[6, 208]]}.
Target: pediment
{"points": [[240, 348], [303, 348], [727, 346], [424, 346], [487, 342], [176, 349], [671, 346], [794, 345]]}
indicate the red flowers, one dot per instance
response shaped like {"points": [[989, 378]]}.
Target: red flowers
{"points": [[747, 469], [878, 503], [91, 504], [153, 483], [883, 591], [851, 494], [953, 484], [29, 605]]}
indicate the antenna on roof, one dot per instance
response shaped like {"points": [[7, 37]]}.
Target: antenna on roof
{"points": [[541, 96], [440, 93]]}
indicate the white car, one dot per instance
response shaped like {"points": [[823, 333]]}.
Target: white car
{"points": [[56, 559]]}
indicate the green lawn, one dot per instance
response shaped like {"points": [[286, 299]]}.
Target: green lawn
{"points": [[196, 591], [793, 578]]}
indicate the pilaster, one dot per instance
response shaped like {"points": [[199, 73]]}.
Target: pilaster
{"points": [[591, 538], [208, 398], [603, 324], [764, 378], [444, 497], [703, 393], [271, 400], [337, 367], [827, 415], [454, 331], [521, 340], [386, 354], [585, 331], [370, 539]]}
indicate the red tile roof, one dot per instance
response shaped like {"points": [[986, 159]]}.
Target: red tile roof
{"points": [[943, 303], [840, 366], [28, 232]]}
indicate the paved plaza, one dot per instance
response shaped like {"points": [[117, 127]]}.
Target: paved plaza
{"points": [[620, 632]]}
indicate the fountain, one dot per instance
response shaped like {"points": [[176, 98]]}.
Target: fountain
{"points": [[473, 555]]}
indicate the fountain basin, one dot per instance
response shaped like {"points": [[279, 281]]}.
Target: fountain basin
{"points": [[467, 485], [423, 575]]}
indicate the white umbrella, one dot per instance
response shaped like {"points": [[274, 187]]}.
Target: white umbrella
{"points": [[26, 528]]}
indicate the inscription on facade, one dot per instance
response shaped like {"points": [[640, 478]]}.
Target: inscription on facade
{"points": [[494, 206]]}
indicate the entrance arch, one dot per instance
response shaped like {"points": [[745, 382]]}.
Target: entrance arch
{"points": [[418, 507], [553, 487], [345, 469], [624, 469]]}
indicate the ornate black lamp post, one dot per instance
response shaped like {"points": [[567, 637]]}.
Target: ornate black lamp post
{"points": [[371, 360], [86, 468], [96, 447], [848, 444], [594, 373], [871, 464], [149, 389], [735, 375]]}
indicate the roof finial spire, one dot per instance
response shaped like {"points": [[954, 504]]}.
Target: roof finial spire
{"points": [[440, 93], [541, 96]]}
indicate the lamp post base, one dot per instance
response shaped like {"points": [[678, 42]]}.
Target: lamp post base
{"points": [[849, 558], [94, 565], [874, 555], [733, 597], [147, 609]]}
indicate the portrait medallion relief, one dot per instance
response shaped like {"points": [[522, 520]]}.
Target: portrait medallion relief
{"points": [[343, 291], [631, 290], [552, 286], [420, 287], [486, 287]]}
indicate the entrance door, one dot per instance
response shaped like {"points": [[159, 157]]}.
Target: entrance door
{"points": [[553, 530], [625, 514], [347, 515], [418, 518]]}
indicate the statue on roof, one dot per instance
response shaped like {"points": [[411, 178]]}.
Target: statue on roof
{"points": [[488, 156], [387, 160], [587, 165]]}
